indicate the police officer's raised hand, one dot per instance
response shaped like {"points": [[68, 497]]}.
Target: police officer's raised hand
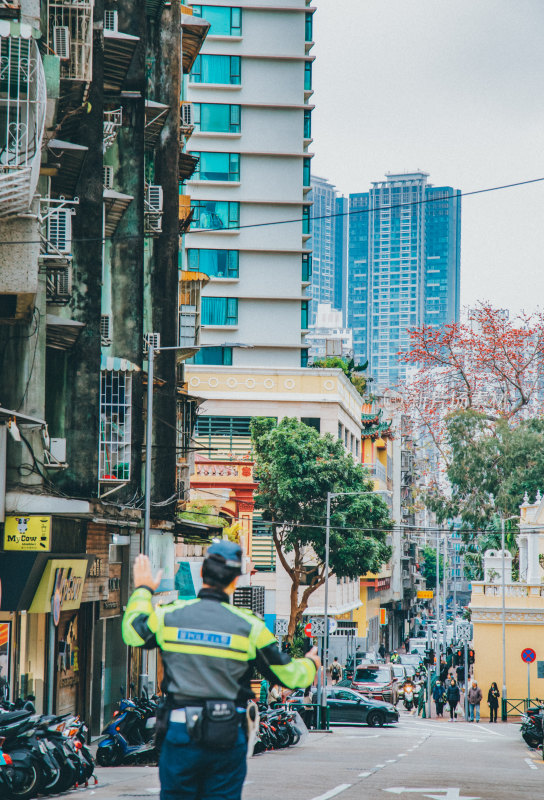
{"points": [[143, 574], [312, 654]]}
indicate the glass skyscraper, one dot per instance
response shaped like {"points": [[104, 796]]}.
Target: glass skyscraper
{"points": [[329, 246], [403, 267]]}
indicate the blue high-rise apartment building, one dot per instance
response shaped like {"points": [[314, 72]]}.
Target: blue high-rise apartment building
{"points": [[329, 246], [403, 267]]}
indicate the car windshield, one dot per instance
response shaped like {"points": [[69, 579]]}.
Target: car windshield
{"points": [[398, 672], [372, 675]]}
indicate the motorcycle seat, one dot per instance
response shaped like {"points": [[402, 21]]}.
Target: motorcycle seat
{"points": [[11, 718]]}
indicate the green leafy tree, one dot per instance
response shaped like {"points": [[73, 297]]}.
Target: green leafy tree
{"points": [[428, 566], [492, 465], [349, 368], [296, 467]]}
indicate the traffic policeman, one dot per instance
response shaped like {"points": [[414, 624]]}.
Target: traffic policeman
{"points": [[209, 649]]}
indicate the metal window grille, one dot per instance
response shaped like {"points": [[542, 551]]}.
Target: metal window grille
{"points": [[115, 426], [70, 36], [105, 329]]}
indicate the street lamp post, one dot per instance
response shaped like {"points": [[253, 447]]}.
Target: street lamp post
{"points": [[504, 520]]}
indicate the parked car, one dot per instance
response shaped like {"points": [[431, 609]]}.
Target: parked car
{"points": [[377, 680], [348, 707]]}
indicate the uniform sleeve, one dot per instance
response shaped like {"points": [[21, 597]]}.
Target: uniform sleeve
{"points": [[140, 621], [279, 667]]}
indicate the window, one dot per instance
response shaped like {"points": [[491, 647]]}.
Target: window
{"points": [[223, 21], [306, 266], [217, 356], [217, 69], [306, 219], [115, 426], [306, 171], [307, 76], [304, 314], [217, 166], [215, 214], [340, 431], [217, 117], [304, 357], [308, 29], [312, 422], [219, 311], [215, 263], [307, 123]]}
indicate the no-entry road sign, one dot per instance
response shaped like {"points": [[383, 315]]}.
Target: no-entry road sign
{"points": [[528, 655]]}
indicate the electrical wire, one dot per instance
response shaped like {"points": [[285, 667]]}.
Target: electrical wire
{"points": [[350, 212]]}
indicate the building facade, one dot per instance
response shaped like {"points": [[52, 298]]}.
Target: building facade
{"points": [[329, 246], [91, 148], [327, 335], [404, 267], [250, 93]]}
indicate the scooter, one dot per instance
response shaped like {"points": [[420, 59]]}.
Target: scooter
{"points": [[128, 738], [408, 696]]}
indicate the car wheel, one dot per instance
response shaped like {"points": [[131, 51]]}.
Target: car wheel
{"points": [[375, 719]]}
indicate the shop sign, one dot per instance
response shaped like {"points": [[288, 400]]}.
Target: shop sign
{"points": [[111, 606], [61, 586], [425, 594], [27, 533]]}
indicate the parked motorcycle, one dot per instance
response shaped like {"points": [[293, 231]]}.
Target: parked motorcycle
{"points": [[532, 727], [128, 738], [278, 728]]}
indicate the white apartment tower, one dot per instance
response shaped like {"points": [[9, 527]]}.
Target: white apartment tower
{"points": [[250, 90]]}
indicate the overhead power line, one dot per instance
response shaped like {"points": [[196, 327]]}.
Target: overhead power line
{"points": [[349, 213]]}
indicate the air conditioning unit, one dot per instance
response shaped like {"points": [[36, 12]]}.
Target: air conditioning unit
{"points": [[154, 199], [61, 42], [187, 114], [105, 329], [110, 20], [59, 231], [107, 177], [153, 339]]}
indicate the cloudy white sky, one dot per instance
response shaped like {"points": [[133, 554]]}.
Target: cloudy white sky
{"points": [[453, 87]]}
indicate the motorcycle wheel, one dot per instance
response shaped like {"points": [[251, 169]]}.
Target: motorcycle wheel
{"points": [[283, 738], [532, 741], [109, 755], [294, 736], [23, 783], [66, 779]]}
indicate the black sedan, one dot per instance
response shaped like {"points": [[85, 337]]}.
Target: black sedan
{"points": [[347, 707]]}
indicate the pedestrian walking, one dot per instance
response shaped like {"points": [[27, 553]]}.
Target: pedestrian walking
{"points": [[381, 650], [274, 694], [209, 650], [474, 700], [421, 703], [493, 696], [453, 696], [439, 697], [336, 671], [263, 694]]}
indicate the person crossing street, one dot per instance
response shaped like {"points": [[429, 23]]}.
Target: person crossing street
{"points": [[209, 650]]}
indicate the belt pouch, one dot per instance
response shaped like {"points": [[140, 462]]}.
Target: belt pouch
{"points": [[193, 721], [220, 722]]}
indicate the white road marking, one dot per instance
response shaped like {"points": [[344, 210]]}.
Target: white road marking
{"points": [[449, 793], [530, 764], [401, 755], [483, 729], [390, 760], [333, 792], [364, 774], [379, 766], [364, 736]]}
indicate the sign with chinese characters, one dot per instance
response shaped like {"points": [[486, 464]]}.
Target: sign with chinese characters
{"points": [[425, 594], [27, 533]]}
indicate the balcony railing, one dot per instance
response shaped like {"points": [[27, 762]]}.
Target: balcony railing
{"points": [[377, 470], [22, 118], [70, 36], [511, 589]]}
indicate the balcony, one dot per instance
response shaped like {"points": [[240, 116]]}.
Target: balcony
{"points": [[378, 471], [187, 165], [190, 289], [112, 122], [22, 117], [70, 37], [115, 205], [185, 213]]}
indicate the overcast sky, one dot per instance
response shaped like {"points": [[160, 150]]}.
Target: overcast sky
{"points": [[452, 87]]}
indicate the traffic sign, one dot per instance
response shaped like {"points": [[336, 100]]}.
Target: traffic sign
{"points": [[528, 655], [333, 625], [282, 627], [308, 630], [425, 594]]}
